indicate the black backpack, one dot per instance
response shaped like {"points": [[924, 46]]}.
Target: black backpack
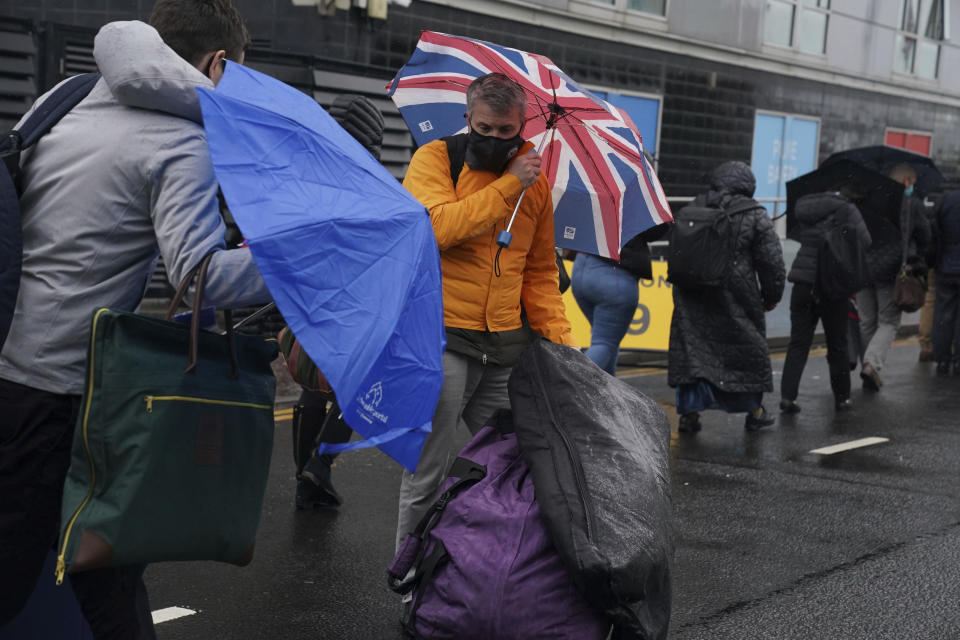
{"points": [[702, 245], [67, 96], [842, 267], [457, 152]]}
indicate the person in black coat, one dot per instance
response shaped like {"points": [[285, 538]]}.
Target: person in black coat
{"points": [[718, 341], [314, 423], [816, 214], [946, 315]]}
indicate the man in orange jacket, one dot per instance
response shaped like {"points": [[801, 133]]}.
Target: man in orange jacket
{"points": [[485, 289]]}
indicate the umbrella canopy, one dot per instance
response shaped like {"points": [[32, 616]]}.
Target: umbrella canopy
{"points": [[347, 253], [604, 190], [882, 158], [877, 196]]}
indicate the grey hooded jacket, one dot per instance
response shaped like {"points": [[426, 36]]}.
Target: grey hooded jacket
{"points": [[124, 177]]}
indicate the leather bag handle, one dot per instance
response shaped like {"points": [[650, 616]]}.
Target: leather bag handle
{"points": [[199, 272]]}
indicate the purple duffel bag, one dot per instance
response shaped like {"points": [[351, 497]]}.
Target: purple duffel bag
{"points": [[483, 565]]}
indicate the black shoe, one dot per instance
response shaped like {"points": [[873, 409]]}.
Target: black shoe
{"points": [[943, 369], [315, 487], [755, 422], [871, 379], [843, 405], [789, 406], [689, 423]]}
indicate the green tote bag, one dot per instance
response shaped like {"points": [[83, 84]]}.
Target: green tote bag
{"points": [[172, 445]]}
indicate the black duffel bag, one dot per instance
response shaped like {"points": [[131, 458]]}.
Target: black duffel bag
{"points": [[598, 452]]}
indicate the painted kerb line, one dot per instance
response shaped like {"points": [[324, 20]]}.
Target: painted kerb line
{"points": [[171, 613], [847, 446]]}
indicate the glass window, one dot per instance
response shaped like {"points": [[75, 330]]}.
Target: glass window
{"points": [[906, 50], [911, 10], [913, 141], [648, 6], [927, 59], [922, 31], [801, 24], [778, 23], [934, 28], [812, 36], [657, 7]]}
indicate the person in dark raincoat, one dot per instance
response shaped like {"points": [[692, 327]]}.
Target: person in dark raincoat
{"points": [[718, 355], [817, 213]]}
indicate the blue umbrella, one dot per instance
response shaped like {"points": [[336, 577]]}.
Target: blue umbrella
{"points": [[347, 253]]}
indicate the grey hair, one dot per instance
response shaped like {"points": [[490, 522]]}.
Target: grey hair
{"points": [[498, 92]]}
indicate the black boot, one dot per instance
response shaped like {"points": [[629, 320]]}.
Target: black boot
{"points": [[689, 423], [789, 406], [308, 420], [315, 486], [843, 405], [757, 420]]}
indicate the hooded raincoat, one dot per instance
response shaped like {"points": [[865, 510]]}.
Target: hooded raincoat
{"points": [[719, 335]]}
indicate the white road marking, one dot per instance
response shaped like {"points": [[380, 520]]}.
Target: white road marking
{"points": [[171, 613], [846, 446]]}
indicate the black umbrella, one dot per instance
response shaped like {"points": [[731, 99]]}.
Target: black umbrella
{"points": [[877, 196], [883, 158]]}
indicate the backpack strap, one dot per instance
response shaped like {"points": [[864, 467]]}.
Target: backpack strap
{"points": [[749, 205], [430, 564], [58, 104], [412, 550], [457, 151]]}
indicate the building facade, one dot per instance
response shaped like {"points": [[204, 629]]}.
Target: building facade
{"points": [[780, 84]]}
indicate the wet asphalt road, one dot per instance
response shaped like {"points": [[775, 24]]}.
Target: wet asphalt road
{"points": [[772, 540]]}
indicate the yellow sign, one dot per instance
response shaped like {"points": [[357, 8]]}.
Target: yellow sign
{"points": [[650, 329]]}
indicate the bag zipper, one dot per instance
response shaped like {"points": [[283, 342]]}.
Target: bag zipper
{"points": [[149, 400], [61, 562], [574, 458]]}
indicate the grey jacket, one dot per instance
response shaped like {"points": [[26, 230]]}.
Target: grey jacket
{"points": [[124, 177]]}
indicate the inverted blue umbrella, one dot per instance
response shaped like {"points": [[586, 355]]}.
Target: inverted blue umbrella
{"points": [[347, 253]]}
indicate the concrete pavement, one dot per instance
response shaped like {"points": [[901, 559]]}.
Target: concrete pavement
{"points": [[773, 541]]}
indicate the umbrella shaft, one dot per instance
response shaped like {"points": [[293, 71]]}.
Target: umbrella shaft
{"points": [[516, 208], [522, 193]]}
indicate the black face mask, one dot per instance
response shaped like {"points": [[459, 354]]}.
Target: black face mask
{"points": [[489, 153]]}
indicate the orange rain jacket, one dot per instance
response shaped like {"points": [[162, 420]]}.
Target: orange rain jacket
{"points": [[466, 222]]}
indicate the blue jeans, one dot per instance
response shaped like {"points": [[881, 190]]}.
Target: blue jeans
{"points": [[607, 294]]}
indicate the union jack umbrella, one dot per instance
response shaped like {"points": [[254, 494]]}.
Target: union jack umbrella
{"points": [[604, 190]]}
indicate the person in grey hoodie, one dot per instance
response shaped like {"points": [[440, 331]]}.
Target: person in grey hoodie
{"points": [[123, 178]]}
